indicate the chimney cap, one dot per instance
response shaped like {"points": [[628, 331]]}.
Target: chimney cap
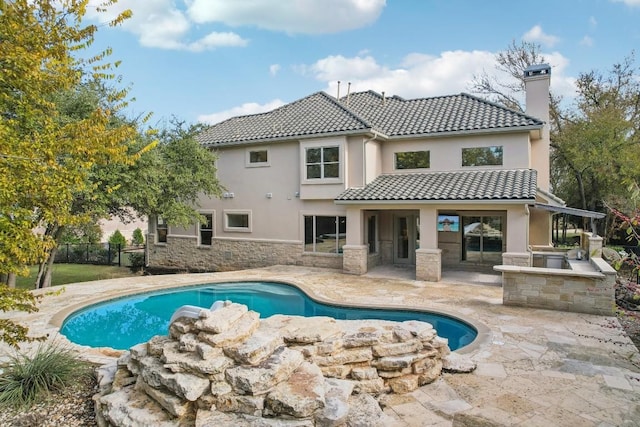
{"points": [[537, 70]]}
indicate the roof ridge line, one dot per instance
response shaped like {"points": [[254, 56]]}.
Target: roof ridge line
{"points": [[349, 110], [495, 104]]}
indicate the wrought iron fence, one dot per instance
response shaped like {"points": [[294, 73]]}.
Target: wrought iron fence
{"points": [[101, 254]]}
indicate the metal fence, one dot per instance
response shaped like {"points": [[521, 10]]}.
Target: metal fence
{"points": [[101, 254]]}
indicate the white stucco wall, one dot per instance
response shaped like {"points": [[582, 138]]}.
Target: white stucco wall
{"points": [[280, 216], [446, 153]]}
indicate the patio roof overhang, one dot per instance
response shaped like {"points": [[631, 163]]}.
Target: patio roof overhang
{"points": [[573, 211], [569, 211]]}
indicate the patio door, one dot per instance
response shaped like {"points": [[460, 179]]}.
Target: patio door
{"points": [[406, 230], [483, 239]]}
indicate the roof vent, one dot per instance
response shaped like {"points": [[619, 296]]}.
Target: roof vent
{"points": [[338, 94]]}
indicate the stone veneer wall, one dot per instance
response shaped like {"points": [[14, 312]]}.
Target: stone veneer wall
{"points": [[559, 289], [516, 258], [227, 367], [183, 253], [429, 264], [355, 259]]}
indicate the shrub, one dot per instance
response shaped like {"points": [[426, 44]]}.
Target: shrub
{"points": [[26, 379], [117, 239], [137, 238], [136, 259]]}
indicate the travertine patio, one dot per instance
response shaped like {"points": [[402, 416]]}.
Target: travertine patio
{"points": [[535, 367]]}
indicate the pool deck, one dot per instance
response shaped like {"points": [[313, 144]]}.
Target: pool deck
{"points": [[535, 367]]}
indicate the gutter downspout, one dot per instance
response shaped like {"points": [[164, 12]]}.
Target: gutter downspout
{"points": [[528, 214]]}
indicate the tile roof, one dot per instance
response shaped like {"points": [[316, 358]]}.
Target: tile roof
{"points": [[473, 185], [396, 116], [365, 112], [316, 114]]}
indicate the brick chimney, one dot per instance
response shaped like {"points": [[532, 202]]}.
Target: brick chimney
{"points": [[537, 79]]}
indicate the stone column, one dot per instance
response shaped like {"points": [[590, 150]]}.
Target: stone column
{"points": [[354, 259], [429, 264], [595, 247], [355, 229]]}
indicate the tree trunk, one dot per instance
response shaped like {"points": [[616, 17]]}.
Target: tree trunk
{"points": [[45, 269], [11, 280], [44, 272]]}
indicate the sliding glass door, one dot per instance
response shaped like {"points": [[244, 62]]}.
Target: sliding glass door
{"points": [[483, 239]]}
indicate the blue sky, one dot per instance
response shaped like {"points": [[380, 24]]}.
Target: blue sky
{"points": [[207, 60]]}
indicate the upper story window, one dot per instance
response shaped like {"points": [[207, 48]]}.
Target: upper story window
{"points": [[257, 157], [322, 162], [237, 221], [161, 230], [482, 156], [206, 230], [412, 160]]}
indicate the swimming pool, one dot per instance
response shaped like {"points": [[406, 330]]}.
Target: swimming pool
{"points": [[125, 322]]}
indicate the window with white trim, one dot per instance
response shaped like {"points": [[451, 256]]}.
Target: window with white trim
{"points": [[257, 157], [325, 234], [322, 162], [237, 221], [206, 230]]}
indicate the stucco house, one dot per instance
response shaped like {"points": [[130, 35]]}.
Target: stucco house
{"points": [[361, 180]]}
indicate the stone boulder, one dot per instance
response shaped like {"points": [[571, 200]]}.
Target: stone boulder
{"points": [[227, 367]]}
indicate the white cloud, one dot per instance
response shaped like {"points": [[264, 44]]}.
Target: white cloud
{"points": [[586, 41], [422, 75], [536, 34], [418, 75], [593, 23], [159, 24], [299, 16], [274, 69], [561, 84], [335, 67], [631, 3], [244, 109], [215, 40]]}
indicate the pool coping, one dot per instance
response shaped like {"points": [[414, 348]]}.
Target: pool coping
{"points": [[57, 320]]}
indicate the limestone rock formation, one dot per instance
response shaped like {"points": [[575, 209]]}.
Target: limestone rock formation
{"points": [[230, 368]]}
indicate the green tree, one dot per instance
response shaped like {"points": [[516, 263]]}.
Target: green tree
{"points": [[82, 233], [97, 197], [170, 172], [598, 144], [594, 140], [117, 238], [168, 180], [137, 237], [44, 160]]}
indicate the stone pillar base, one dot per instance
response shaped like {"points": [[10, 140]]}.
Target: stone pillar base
{"points": [[520, 259], [429, 264], [595, 247], [354, 259]]}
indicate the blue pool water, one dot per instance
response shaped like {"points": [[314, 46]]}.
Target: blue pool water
{"points": [[125, 322]]}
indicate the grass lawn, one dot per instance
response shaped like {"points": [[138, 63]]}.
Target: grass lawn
{"points": [[73, 273]]}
